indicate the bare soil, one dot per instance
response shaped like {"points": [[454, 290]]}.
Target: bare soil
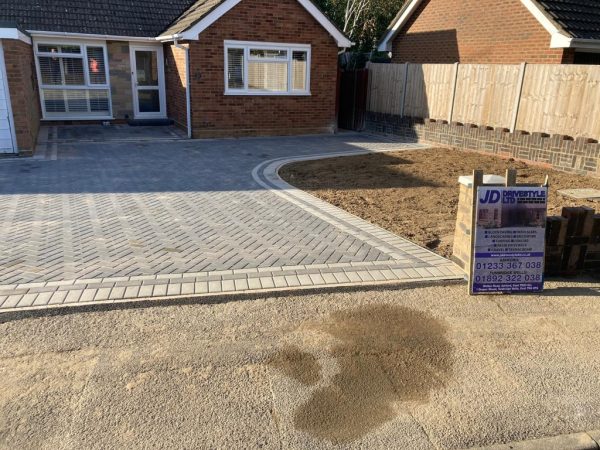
{"points": [[414, 193]]}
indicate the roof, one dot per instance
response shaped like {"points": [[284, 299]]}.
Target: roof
{"points": [[132, 18], [578, 18], [136, 18], [571, 19], [203, 13], [191, 16]]}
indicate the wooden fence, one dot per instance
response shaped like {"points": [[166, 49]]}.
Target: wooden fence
{"points": [[553, 99]]}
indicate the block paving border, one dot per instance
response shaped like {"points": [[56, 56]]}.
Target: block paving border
{"points": [[408, 262]]}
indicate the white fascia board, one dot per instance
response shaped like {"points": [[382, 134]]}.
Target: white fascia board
{"points": [[560, 41], [534, 8], [558, 37], [342, 41], [386, 43], [14, 33], [192, 33], [89, 37]]}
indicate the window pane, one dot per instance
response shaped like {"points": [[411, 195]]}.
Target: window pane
{"points": [[99, 102], [271, 77], [54, 101], [235, 68], [149, 100], [61, 71], [271, 54], [96, 66], [50, 48], [299, 66], [73, 71], [76, 101], [50, 70], [146, 65]]}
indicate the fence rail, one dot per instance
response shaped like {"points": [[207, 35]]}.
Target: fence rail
{"points": [[553, 99]]}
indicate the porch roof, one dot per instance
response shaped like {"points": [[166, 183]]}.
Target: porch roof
{"points": [[135, 18]]}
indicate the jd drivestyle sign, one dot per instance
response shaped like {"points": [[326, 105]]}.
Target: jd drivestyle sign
{"points": [[509, 239]]}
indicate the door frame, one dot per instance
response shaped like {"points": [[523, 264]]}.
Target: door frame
{"points": [[5, 87], [162, 114]]}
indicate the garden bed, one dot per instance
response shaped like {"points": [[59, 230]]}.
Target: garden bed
{"points": [[414, 193]]}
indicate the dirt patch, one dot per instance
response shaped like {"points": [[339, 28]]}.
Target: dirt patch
{"points": [[414, 193], [385, 354]]}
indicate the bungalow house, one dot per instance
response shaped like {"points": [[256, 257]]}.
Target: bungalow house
{"points": [[494, 32], [214, 67]]}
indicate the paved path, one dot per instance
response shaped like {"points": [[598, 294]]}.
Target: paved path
{"points": [[408, 369], [97, 222]]}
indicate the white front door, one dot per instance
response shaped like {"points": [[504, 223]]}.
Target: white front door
{"points": [[7, 134], [148, 82]]}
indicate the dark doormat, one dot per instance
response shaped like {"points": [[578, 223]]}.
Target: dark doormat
{"points": [[150, 122]]}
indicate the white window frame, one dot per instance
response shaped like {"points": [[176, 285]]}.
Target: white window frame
{"points": [[83, 44], [247, 45]]}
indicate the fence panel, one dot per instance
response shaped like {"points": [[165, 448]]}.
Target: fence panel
{"points": [[562, 99], [486, 93], [386, 88], [429, 90]]}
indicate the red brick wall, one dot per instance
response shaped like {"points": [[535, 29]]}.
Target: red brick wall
{"points": [[283, 21], [22, 84], [474, 31], [175, 81]]}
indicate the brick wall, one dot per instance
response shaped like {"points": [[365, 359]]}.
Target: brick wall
{"points": [[22, 84], [175, 82], [119, 67], [580, 156], [283, 21], [476, 32]]}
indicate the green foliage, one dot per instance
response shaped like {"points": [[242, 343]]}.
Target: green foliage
{"points": [[363, 21]]}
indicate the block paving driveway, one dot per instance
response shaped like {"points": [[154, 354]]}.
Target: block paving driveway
{"points": [[107, 221]]}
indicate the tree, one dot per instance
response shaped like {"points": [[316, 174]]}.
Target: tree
{"points": [[363, 21]]}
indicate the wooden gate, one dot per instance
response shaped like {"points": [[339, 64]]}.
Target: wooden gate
{"points": [[354, 87]]}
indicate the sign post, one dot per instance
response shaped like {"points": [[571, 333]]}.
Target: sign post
{"points": [[508, 236]]}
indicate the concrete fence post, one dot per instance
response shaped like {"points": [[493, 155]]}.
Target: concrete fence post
{"points": [[404, 90], [453, 96], [513, 124]]}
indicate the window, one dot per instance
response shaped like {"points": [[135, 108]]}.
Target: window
{"points": [[253, 68], [73, 80]]}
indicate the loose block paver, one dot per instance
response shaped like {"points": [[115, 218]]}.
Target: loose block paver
{"points": [[117, 221]]}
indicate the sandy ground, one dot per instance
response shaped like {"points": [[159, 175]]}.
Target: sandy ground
{"points": [[423, 368], [414, 193]]}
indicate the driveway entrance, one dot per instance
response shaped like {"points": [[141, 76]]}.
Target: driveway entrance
{"points": [[119, 220]]}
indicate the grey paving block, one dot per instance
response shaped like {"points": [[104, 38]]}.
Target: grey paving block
{"points": [[89, 222]]}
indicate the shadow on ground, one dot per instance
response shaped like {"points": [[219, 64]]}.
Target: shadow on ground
{"points": [[385, 354]]}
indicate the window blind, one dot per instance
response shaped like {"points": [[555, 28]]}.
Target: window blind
{"points": [[255, 69], [73, 80]]}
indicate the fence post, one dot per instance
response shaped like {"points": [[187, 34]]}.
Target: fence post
{"points": [[404, 89], [453, 97], [368, 101], [513, 124]]}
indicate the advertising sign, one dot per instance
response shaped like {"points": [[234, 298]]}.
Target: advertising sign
{"points": [[509, 239]]}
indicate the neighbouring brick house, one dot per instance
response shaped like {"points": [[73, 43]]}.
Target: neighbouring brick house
{"points": [[215, 67], [495, 32]]}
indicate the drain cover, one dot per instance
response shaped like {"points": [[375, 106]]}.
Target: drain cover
{"points": [[581, 194]]}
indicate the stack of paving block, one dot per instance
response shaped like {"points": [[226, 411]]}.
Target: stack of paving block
{"points": [[461, 254], [573, 242]]}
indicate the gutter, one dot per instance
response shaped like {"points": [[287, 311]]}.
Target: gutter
{"points": [[104, 37], [188, 97], [561, 41]]}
